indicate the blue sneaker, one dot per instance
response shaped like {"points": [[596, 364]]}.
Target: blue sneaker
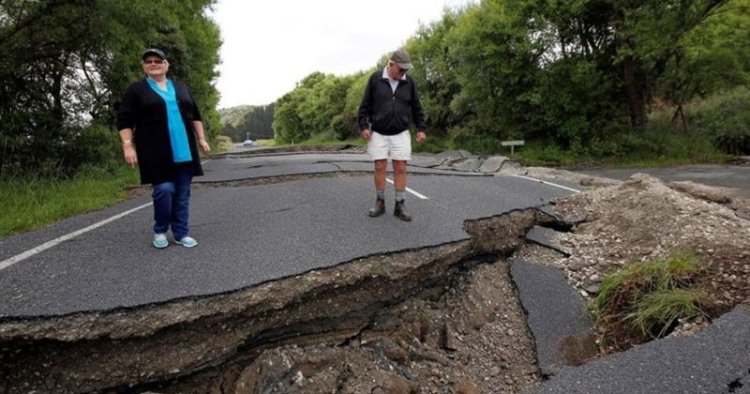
{"points": [[187, 242], [160, 241]]}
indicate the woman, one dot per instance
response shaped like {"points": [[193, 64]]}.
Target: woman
{"points": [[160, 127]]}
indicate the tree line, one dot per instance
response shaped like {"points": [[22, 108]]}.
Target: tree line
{"points": [[582, 75], [247, 121], [64, 65]]}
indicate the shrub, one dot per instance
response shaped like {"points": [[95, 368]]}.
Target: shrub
{"points": [[725, 119]]}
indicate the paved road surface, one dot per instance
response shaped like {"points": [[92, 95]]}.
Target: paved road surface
{"points": [[246, 235]]}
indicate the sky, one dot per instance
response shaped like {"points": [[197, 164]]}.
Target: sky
{"points": [[269, 46]]}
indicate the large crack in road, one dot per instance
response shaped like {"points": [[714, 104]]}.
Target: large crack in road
{"points": [[414, 321]]}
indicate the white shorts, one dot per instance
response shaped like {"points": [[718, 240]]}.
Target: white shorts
{"points": [[395, 147]]}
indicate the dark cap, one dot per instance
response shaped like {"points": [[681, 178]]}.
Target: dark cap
{"points": [[402, 58], [154, 52]]}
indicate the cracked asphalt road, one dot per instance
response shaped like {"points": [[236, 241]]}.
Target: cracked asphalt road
{"points": [[252, 234], [247, 235]]}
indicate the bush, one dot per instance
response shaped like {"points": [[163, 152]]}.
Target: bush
{"points": [[725, 119], [545, 153], [476, 143], [433, 144]]}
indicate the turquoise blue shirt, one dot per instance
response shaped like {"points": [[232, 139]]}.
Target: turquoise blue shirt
{"points": [[177, 132]]}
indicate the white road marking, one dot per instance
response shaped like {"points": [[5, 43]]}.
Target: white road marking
{"points": [[548, 183], [50, 244], [420, 195]]}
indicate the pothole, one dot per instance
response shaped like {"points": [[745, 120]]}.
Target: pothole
{"points": [[427, 320]]}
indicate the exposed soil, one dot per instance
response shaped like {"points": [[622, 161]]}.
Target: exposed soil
{"points": [[467, 340]]}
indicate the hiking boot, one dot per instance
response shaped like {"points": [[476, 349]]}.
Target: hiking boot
{"points": [[379, 208], [400, 212]]}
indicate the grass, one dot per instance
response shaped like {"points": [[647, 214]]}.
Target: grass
{"points": [[320, 139], [645, 300], [657, 312], [328, 138], [32, 202], [266, 143]]}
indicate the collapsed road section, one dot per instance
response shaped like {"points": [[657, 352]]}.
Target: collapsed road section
{"points": [[414, 321]]}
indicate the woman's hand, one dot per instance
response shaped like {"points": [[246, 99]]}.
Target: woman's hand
{"points": [[128, 151], [204, 145]]}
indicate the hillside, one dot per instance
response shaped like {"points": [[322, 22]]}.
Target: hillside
{"points": [[234, 115], [243, 121]]}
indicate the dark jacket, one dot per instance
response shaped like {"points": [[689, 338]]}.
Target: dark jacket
{"points": [[145, 112], [387, 112]]}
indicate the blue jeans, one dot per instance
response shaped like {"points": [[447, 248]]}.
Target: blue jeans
{"points": [[172, 203]]}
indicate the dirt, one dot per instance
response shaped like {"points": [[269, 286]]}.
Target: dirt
{"points": [[468, 340], [440, 320], [645, 219]]}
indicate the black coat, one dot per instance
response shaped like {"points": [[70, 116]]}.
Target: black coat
{"points": [[386, 111], [145, 112]]}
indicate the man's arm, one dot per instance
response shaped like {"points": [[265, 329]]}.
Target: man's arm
{"points": [[365, 110], [417, 114]]}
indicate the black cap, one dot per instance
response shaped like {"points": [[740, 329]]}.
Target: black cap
{"points": [[154, 52]]}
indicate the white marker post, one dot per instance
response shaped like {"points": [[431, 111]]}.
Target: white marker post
{"points": [[512, 145]]}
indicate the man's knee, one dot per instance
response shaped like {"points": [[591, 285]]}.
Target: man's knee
{"points": [[399, 166], [380, 165]]}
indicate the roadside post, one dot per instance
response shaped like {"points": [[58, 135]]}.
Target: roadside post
{"points": [[512, 144]]}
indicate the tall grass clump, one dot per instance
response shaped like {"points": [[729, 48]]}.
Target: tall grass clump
{"points": [[645, 300]]}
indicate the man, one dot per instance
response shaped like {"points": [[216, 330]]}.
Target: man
{"points": [[389, 98]]}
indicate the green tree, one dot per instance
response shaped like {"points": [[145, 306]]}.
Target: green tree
{"points": [[712, 57], [351, 102], [77, 57], [257, 123], [287, 124], [434, 73], [580, 74], [498, 66], [317, 105]]}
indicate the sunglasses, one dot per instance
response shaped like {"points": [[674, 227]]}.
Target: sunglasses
{"points": [[400, 70], [153, 62]]}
